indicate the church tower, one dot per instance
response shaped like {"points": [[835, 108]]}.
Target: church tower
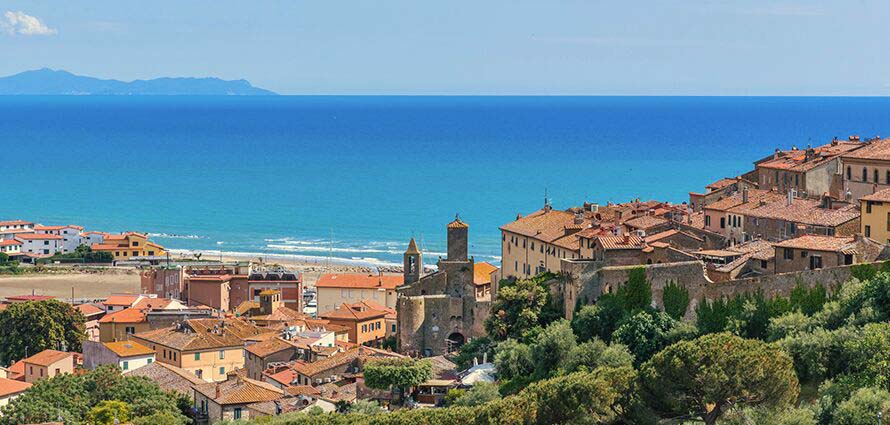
{"points": [[413, 263], [457, 240]]}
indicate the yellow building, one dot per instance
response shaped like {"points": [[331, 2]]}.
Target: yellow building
{"points": [[536, 243], [209, 348], [875, 219], [128, 245]]}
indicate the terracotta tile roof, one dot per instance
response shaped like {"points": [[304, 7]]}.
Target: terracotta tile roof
{"points": [[734, 200], [10, 242], [544, 225], [302, 390], [15, 223], [315, 368], [571, 242], [339, 391], [128, 348], [17, 368], [168, 377], [804, 211], [203, 334], [30, 298], [356, 311], [879, 196], [10, 387], [245, 307], [148, 303], [48, 357], [89, 310], [798, 160], [629, 241], [390, 312], [269, 346], [482, 273], [458, 224], [119, 300], [820, 243], [722, 183], [363, 281], [37, 236], [875, 149], [286, 376], [646, 222], [240, 390], [127, 315], [280, 314], [759, 249]]}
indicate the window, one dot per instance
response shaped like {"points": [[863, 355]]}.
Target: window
{"points": [[237, 413], [135, 243], [199, 373], [149, 361], [135, 253], [222, 371], [815, 262], [876, 175], [849, 173], [864, 174], [764, 264], [803, 254], [722, 222], [197, 356], [789, 254], [126, 365], [708, 220], [868, 207], [222, 354], [867, 231], [174, 356], [130, 330], [888, 221], [393, 328]]}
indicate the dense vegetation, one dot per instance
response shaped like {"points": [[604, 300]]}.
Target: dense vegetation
{"points": [[819, 356], [97, 397], [81, 254], [31, 327]]}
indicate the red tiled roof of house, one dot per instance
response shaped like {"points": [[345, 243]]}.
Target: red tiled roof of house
{"points": [[30, 298], [357, 311], [482, 273], [819, 243], [48, 357], [545, 225], [798, 160], [149, 303], [15, 223], [37, 236], [10, 387], [203, 334], [128, 348], [285, 376], [363, 281], [10, 242], [646, 222], [720, 184], [89, 309], [879, 196], [804, 211], [736, 199], [874, 149], [628, 241], [269, 346], [17, 368], [390, 312], [312, 369], [123, 299], [127, 315], [239, 390]]}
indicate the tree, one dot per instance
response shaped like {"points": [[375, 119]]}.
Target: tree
{"points": [[552, 348], [592, 354], [645, 333], [478, 348], [109, 411], [399, 373], [599, 320], [675, 299], [863, 272], [808, 300], [637, 293], [4, 258], [31, 327], [517, 309], [865, 407], [706, 376], [365, 407], [479, 394], [513, 359]]}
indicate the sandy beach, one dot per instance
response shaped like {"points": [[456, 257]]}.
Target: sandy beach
{"points": [[86, 285]]}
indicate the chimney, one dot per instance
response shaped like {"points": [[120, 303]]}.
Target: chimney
{"points": [[626, 237], [790, 198], [217, 391], [745, 195]]}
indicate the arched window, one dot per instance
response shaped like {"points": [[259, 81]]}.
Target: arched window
{"points": [[864, 174], [876, 175], [849, 173]]}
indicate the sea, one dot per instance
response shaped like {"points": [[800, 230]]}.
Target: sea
{"points": [[353, 178]]}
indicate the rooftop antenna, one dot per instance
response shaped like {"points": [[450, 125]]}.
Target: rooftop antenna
{"points": [[546, 199]]}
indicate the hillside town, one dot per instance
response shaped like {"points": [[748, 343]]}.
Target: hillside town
{"points": [[250, 339]]}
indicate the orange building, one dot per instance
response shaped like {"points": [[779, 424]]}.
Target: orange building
{"points": [[128, 245], [48, 363], [366, 325]]}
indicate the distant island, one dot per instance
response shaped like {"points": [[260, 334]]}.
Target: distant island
{"points": [[58, 82]]}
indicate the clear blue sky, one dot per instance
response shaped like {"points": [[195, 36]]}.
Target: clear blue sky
{"points": [[753, 47]]}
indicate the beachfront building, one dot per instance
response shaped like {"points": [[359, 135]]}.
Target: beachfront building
{"points": [[810, 172], [127, 355], [867, 170], [128, 245], [15, 226], [42, 245], [335, 290], [209, 348], [92, 238], [875, 222], [11, 247], [70, 234], [48, 363]]}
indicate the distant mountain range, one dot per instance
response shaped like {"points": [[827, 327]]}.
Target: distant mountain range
{"points": [[51, 82]]}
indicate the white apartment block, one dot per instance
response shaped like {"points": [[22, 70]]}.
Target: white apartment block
{"points": [[70, 234], [14, 225], [40, 244]]}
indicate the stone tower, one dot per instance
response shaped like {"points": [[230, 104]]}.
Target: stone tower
{"points": [[457, 240], [413, 263]]}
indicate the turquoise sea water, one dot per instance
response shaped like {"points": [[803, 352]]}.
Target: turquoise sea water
{"points": [[356, 177]]}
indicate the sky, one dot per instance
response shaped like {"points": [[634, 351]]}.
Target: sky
{"points": [[487, 47]]}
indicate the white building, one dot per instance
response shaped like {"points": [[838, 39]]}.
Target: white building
{"points": [[6, 235], [16, 225], [70, 234], [11, 247], [40, 244], [92, 238], [127, 355]]}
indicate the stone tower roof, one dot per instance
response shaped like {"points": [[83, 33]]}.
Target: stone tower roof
{"points": [[458, 224], [412, 247]]}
